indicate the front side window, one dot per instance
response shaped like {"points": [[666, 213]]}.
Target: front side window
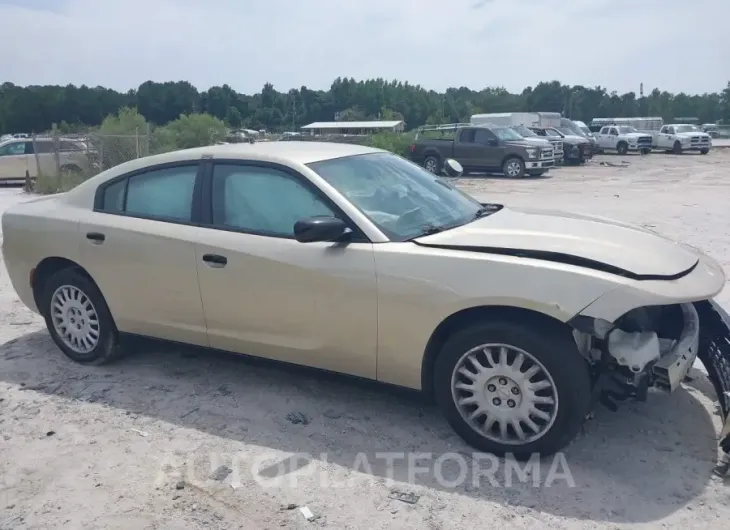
{"points": [[506, 134], [14, 148], [165, 194], [262, 200], [399, 197]]}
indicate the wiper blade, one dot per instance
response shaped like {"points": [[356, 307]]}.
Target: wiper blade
{"points": [[429, 231], [484, 211]]}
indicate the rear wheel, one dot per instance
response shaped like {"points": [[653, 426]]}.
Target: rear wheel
{"points": [[677, 148], [622, 148], [507, 388], [432, 164], [513, 167], [78, 318]]}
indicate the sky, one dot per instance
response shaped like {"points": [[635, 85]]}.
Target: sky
{"points": [[674, 45]]}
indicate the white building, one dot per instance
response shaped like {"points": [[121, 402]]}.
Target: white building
{"points": [[353, 127]]}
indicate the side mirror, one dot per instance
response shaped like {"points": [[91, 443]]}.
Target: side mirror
{"points": [[313, 229], [452, 168], [492, 141]]}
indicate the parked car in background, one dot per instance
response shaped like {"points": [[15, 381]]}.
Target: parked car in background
{"points": [[624, 139], [354, 260], [681, 137], [542, 141], [576, 149], [17, 156], [568, 126], [480, 148]]}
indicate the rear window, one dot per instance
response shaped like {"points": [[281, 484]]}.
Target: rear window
{"points": [[438, 134]]}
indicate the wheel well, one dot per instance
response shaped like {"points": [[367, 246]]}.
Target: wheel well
{"points": [[518, 157], [433, 153], [47, 268], [466, 317]]}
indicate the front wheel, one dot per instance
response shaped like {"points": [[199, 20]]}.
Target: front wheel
{"points": [[78, 318], [507, 388], [704, 151], [677, 148], [513, 167], [622, 148]]}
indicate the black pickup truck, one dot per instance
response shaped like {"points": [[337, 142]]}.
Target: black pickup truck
{"points": [[480, 148], [576, 149]]}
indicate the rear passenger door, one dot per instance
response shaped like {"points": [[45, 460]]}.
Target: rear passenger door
{"points": [[137, 245]]}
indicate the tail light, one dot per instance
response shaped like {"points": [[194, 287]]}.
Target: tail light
{"points": [[412, 148]]}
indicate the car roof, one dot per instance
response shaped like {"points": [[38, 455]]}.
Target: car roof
{"points": [[286, 153], [300, 152]]}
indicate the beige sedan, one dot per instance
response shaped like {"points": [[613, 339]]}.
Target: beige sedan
{"points": [[355, 260]]}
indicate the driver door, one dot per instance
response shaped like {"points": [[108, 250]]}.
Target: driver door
{"points": [[266, 294]]}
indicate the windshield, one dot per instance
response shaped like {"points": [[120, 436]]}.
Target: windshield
{"points": [[401, 198], [566, 131], [586, 131], [505, 133], [685, 128], [524, 131], [626, 130]]}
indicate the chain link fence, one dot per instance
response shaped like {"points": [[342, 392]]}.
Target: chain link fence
{"points": [[58, 162]]}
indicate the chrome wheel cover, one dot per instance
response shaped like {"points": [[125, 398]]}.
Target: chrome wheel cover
{"points": [[430, 165], [513, 169], [504, 394], [75, 319]]}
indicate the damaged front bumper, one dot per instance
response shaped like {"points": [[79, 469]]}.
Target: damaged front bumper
{"points": [[714, 352]]}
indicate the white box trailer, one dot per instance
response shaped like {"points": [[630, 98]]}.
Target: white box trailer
{"points": [[506, 119], [647, 124]]}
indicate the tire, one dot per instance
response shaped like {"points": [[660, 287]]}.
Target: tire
{"points": [[645, 151], [71, 168], [622, 148], [432, 164], [704, 151], [554, 349], [513, 167], [78, 288], [677, 148]]}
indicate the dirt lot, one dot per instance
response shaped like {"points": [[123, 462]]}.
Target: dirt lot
{"points": [[90, 448]]}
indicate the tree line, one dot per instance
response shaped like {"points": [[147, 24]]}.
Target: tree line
{"points": [[35, 108]]}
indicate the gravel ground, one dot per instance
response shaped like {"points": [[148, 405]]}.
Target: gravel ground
{"points": [[144, 443]]}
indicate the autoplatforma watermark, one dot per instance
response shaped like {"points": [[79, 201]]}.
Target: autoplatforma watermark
{"points": [[444, 470]]}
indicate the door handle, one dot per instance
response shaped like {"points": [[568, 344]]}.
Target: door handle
{"points": [[215, 260], [96, 237]]}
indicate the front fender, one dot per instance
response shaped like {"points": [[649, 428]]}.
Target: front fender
{"points": [[704, 282]]}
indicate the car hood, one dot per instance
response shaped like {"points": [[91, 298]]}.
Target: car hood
{"points": [[574, 140], [538, 142], [587, 241], [693, 133]]}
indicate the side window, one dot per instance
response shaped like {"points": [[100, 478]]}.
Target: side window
{"points": [[663, 130], [670, 130], [114, 197], [44, 146], [482, 136], [262, 200], [28, 148], [15, 148], [165, 194], [613, 132], [604, 130], [467, 136]]}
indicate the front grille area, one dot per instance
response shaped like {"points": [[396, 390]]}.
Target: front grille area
{"points": [[557, 145], [645, 141], [546, 154]]}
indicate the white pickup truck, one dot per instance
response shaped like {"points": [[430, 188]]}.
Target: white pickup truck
{"points": [[623, 139], [680, 137]]}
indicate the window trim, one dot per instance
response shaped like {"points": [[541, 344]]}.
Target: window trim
{"points": [[22, 142], [206, 202], [195, 206]]}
